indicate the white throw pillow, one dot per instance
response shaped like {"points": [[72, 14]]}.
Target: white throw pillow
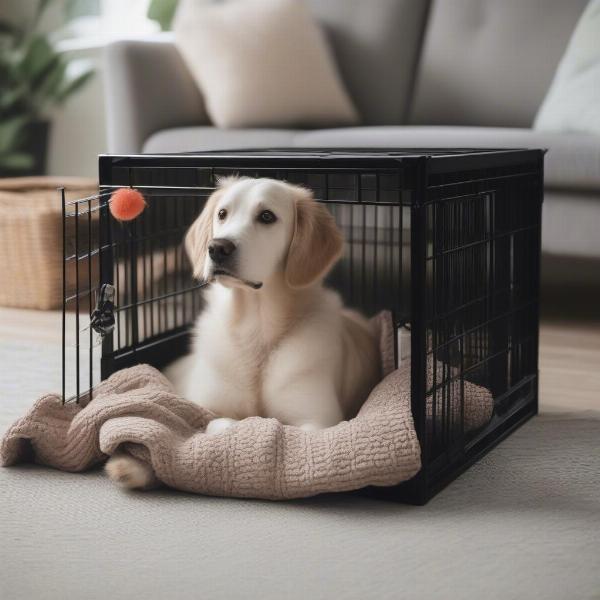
{"points": [[573, 100], [261, 63]]}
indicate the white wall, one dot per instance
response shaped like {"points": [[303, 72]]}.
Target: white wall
{"points": [[78, 128]]}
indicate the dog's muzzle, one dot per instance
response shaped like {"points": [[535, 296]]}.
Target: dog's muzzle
{"points": [[222, 254], [221, 251]]}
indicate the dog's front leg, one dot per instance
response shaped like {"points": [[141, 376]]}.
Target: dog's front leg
{"points": [[310, 403]]}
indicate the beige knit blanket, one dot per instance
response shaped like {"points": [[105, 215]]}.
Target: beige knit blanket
{"points": [[136, 410]]}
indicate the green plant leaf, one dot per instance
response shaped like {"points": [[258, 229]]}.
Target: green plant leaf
{"points": [[17, 161], [162, 11], [38, 55], [74, 84], [51, 69], [33, 75], [10, 97], [11, 60], [47, 89], [10, 131]]}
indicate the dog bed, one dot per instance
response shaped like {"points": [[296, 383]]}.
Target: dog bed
{"points": [[136, 410]]}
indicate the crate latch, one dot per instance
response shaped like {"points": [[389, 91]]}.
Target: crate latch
{"points": [[102, 319]]}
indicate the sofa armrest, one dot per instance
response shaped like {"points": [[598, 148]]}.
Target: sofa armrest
{"points": [[147, 88]]}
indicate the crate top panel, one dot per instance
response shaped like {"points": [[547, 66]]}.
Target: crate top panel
{"points": [[325, 157], [414, 168]]}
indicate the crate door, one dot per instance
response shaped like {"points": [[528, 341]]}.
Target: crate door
{"points": [[135, 274], [156, 296], [81, 281]]}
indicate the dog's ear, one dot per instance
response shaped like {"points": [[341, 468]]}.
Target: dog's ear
{"points": [[316, 243], [199, 234]]}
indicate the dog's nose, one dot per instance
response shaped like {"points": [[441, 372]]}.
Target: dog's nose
{"points": [[220, 249]]}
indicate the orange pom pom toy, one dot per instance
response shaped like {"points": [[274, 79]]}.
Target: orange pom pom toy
{"points": [[126, 204]]}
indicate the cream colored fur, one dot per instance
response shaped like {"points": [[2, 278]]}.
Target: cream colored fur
{"points": [[289, 349]]}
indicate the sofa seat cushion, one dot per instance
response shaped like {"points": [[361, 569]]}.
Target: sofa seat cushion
{"points": [[189, 139], [570, 225], [572, 162], [573, 159]]}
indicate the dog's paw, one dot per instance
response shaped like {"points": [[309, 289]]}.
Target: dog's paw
{"points": [[218, 425], [130, 473]]}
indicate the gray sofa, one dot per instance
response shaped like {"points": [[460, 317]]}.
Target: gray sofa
{"points": [[465, 73]]}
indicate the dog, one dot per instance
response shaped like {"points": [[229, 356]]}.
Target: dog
{"points": [[272, 341]]}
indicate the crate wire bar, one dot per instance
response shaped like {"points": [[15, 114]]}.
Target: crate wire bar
{"points": [[81, 277], [447, 240]]}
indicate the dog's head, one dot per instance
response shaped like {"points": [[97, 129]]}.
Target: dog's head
{"points": [[252, 231]]}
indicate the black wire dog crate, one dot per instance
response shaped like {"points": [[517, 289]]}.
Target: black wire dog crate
{"points": [[447, 240]]}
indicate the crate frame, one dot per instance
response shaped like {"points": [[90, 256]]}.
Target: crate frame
{"points": [[422, 174]]}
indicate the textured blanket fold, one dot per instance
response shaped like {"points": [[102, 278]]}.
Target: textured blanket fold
{"points": [[137, 411]]}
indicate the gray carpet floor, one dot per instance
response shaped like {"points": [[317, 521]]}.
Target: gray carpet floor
{"points": [[523, 523]]}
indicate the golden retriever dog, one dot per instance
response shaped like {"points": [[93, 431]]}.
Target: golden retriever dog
{"points": [[272, 341]]}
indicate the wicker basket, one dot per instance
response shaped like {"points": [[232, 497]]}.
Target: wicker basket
{"points": [[31, 239]]}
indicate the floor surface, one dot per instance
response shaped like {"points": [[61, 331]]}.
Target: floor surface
{"points": [[522, 523]]}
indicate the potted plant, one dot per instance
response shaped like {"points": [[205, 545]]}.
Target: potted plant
{"points": [[34, 78]]}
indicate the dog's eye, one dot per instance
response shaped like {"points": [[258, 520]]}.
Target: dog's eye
{"points": [[222, 214], [267, 217]]}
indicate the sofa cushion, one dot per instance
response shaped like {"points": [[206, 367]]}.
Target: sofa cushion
{"points": [[188, 139], [262, 63], [573, 160], [376, 52], [573, 101], [490, 62]]}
